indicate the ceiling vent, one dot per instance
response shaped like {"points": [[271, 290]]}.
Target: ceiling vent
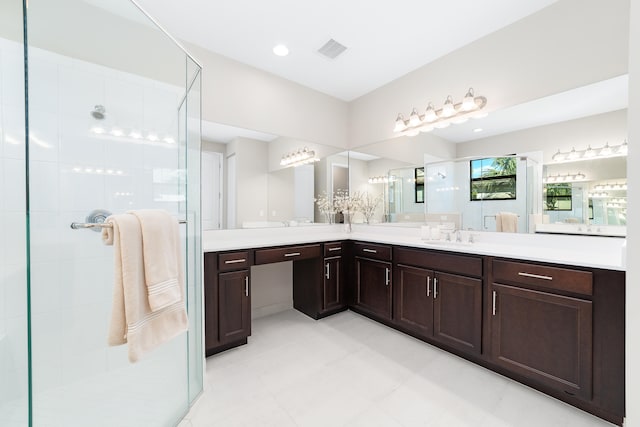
{"points": [[332, 49]]}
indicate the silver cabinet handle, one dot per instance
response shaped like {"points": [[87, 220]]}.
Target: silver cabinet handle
{"points": [[387, 276], [435, 287], [235, 261], [428, 285], [326, 274], [371, 251], [292, 254], [334, 249], [246, 286], [535, 276], [493, 310]]}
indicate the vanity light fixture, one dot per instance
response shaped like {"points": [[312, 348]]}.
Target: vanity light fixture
{"points": [[383, 179], [443, 117], [590, 153], [616, 187], [133, 135], [298, 158], [574, 177]]}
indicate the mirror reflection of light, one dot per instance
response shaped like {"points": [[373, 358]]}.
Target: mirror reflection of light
{"points": [[11, 140], [39, 142]]}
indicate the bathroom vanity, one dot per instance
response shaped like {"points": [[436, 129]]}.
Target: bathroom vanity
{"points": [[550, 318]]}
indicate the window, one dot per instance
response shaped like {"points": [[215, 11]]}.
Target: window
{"points": [[419, 182], [493, 178], [558, 197]]}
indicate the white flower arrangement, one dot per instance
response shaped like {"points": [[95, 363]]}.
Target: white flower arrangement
{"points": [[348, 204]]}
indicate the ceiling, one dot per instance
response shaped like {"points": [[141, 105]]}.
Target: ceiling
{"points": [[385, 40]]}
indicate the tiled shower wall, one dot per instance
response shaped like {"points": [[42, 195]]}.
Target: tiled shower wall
{"points": [[74, 170]]}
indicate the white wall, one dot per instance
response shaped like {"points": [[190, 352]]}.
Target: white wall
{"points": [[251, 178], [239, 95], [633, 228], [567, 45]]}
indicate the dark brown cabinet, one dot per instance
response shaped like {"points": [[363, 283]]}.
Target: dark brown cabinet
{"points": [[440, 306], [372, 280], [541, 325], [234, 306], [332, 289], [373, 287], [227, 297]]}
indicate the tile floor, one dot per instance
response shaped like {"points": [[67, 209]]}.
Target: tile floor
{"points": [[347, 370]]}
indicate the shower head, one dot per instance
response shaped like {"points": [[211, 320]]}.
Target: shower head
{"points": [[98, 112]]}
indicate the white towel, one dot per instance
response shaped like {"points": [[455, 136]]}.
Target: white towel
{"points": [[160, 241], [132, 320], [507, 222]]}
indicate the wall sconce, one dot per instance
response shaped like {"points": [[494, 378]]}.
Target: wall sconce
{"points": [[589, 153], [441, 118], [298, 158], [576, 177]]}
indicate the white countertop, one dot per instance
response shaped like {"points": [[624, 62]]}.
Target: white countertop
{"points": [[586, 251]]}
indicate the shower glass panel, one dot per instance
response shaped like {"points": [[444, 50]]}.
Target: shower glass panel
{"points": [[114, 124], [14, 366]]}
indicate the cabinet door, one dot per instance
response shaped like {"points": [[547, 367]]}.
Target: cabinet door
{"points": [[234, 306], [332, 292], [373, 287], [457, 319], [413, 300], [543, 336]]}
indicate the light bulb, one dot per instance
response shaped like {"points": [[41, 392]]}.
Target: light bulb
{"points": [[400, 124], [606, 150], [558, 156], [448, 109], [430, 114], [469, 103], [573, 155], [623, 149], [414, 118], [590, 152]]}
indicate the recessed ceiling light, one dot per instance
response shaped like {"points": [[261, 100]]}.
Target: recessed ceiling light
{"points": [[478, 130], [281, 50]]}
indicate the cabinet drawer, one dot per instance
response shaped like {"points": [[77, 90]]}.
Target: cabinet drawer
{"points": [[291, 253], [233, 261], [458, 264], [564, 279], [332, 249], [373, 251]]}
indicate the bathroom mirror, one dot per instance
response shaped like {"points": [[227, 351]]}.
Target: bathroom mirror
{"points": [[587, 196], [244, 184]]}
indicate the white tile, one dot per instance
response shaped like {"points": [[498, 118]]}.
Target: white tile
{"points": [[44, 186], [45, 287], [12, 76], [44, 135], [43, 83], [13, 128], [349, 370], [81, 191], [45, 229], [13, 185], [15, 290]]}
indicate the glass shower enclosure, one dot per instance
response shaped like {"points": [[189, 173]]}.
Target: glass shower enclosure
{"points": [[99, 112]]}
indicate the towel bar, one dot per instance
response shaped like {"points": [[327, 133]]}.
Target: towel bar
{"points": [[81, 225], [484, 222]]}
